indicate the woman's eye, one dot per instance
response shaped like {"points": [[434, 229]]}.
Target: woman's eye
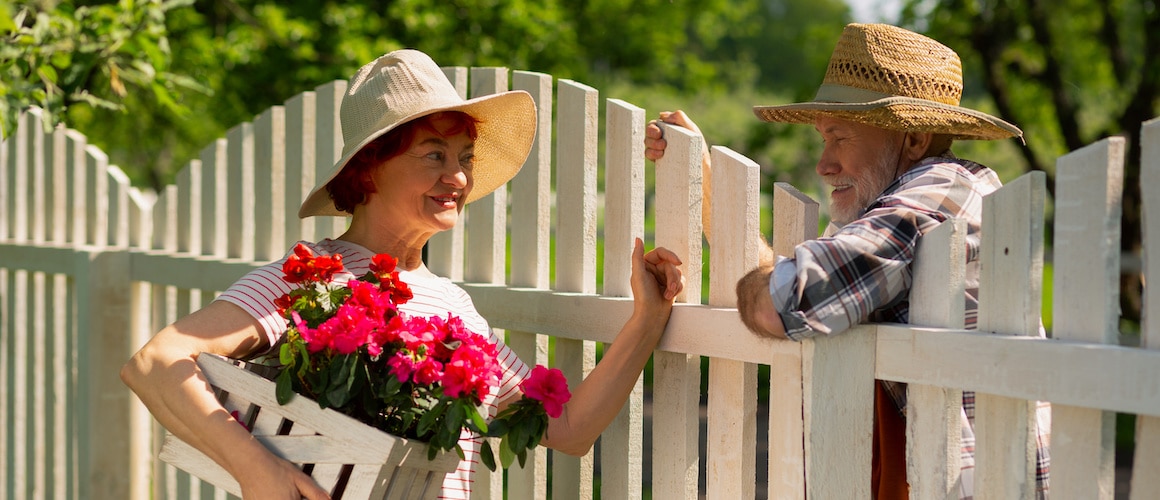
{"points": [[435, 155], [467, 162]]}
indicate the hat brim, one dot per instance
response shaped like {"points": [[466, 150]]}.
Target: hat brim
{"points": [[507, 130], [898, 113]]}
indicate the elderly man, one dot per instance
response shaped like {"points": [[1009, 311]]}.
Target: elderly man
{"points": [[888, 111]]}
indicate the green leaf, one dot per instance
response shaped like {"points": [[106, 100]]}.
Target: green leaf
{"points": [[477, 419], [429, 419], [283, 388], [286, 355], [505, 452], [486, 455]]}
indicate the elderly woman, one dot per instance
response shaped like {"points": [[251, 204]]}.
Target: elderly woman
{"points": [[415, 153]]}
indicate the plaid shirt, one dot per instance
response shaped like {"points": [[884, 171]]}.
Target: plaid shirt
{"points": [[862, 274]]}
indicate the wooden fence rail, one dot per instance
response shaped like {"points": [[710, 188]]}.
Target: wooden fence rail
{"points": [[90, 268]]}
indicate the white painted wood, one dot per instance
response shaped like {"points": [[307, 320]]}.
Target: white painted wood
{"points": [[56, 175], [119, 210], [486, 218], [341, 440], [838, 413], [328, 149], [677, 376], [7, 174], [1089, 191], [576, 141], [17, 359], [593, 317], [795, 219], [270, 184], [165, 220], [576, 153], [96, 196], [1010, 285], [530, 245], [36, 180], [1145, 483], [240, 192], [486, 239], [102, 279], [75, 147], [731, 469], [214, 179], [934, 414], [300, 161], [622, 444], [19, 181], [531, 191], [189, 200], [6, 347]]}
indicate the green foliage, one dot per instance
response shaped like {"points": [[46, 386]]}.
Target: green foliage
{"points": [[57, 58]]}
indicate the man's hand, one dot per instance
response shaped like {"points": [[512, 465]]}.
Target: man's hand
{"points": [[654, 142], [656, 278]]}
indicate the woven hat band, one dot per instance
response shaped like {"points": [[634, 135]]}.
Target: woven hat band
{"points": [[829, 92]]}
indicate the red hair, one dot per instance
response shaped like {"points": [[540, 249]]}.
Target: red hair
{"points": [[353, 184]]}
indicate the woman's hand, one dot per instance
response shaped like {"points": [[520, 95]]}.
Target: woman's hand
{"points": [[272, 478], [656, 278]]}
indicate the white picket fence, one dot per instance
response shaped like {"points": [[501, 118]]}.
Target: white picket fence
{"points": [[89, 269]]}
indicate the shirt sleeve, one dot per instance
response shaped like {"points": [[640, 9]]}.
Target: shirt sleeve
{"points": [[831, 284]]}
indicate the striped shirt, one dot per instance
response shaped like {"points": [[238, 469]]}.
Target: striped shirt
{"points": [[433, 296], [862, 274]]}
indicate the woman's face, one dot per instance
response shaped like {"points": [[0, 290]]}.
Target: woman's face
{"points": [[424, 188]]}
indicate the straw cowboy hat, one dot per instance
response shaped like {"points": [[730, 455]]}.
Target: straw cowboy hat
{"points": [[894, 79], [406, 84]]}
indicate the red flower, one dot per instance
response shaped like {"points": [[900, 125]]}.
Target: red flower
{"points": [[296, 269], [473, 371], [548, 386], [283, 303], [326, 265], [383, 264]]}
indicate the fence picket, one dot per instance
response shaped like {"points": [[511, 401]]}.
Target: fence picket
{"points": [[795, 220], [732, 420], [269, 197], [1010, 284], [1145, 482], [576, 148], [1086, 305], [934, 414], [530, 246], [677, 376], [622, 443], [240, 192], [300, 130]]}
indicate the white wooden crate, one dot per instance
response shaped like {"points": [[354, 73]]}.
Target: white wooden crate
{"points": [[351, 460]]}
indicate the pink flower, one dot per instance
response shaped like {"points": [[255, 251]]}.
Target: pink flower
{"points": [[473, 371], [548, 386]]}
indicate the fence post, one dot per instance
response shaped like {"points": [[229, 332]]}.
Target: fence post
{"points": [[795, 219], [934, 414], [731, 466], [1088, 204], [1145, 481], [622, 444], [1010, 285], [677, 376]]}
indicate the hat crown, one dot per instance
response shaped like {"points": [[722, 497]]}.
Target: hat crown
{"points": [[389, 90], [895, 62]]}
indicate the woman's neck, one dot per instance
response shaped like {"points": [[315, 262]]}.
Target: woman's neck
{"points": [[385, 239]]}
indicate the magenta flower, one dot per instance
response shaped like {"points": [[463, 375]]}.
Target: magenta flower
{"points": [[548, 386]]}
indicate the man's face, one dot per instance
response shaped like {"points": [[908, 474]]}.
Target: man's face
{"points": [[858, 162]]}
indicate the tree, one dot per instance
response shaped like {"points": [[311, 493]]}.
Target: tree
{"points": [[1067, 79], [56, 57]]}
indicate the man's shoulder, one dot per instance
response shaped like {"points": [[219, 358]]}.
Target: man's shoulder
{"points": [[954, 167]]}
